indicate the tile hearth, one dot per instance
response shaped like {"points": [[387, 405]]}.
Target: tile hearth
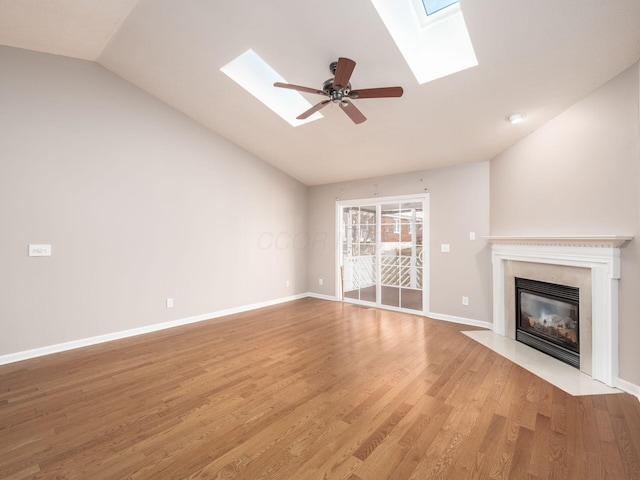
{"points": [[563, 376]]}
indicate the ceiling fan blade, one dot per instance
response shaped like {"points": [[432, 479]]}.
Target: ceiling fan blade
{"points": [[353, 113], [383, 92], [313, 110], [299, 88], [343, 72]]}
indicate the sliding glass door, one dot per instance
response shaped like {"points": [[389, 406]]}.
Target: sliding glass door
{"points": [[383, 251], [359, 253], [401, 255]]}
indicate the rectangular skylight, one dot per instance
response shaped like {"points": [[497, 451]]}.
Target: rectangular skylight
{"points": [[433, 6], [433, 46], [257, 77]]}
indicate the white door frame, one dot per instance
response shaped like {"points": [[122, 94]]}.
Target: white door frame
{"points": [[426, 270]]}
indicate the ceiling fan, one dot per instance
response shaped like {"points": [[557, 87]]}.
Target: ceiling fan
{"points": [[339, 91]]}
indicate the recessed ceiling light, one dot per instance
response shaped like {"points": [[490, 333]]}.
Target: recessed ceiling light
{"points": [[515, 118], [257, 77]]}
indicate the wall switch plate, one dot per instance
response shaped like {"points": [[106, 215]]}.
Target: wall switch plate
{"points": [[169, 302], [445, 248], [465, 300], [472, 235], [39, 250]]}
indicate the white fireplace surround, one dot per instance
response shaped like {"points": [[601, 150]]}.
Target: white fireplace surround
{"points": [[599, 254]]}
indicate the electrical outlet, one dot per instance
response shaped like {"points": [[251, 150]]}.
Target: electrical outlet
{"points": [[472, 235], [287, 283], [465, 300], [445, 247], [169, 302], [320, 281]]}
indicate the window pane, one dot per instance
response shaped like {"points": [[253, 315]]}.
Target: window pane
{"points": [[433, 6], [351, 235], [367, 249], [367, 216], [367, 234], [389, 275], [411, 299]]}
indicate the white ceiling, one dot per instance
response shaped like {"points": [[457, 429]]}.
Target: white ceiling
{"points": [[534, 57]]}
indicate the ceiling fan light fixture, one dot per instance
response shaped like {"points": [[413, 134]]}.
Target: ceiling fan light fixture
{"points": [[515, 118]]}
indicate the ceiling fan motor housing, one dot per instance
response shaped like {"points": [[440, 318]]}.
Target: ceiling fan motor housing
{"points": [[335, 95]]}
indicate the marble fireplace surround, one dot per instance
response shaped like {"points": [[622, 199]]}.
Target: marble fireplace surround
{"points": [[591, 263]]}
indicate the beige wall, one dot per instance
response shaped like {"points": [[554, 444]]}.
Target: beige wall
{"points": [[139, 203], [459, 204], [579, 174]]}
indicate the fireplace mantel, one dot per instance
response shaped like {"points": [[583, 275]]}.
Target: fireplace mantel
{"points": [[598, 241], [598, 253]]}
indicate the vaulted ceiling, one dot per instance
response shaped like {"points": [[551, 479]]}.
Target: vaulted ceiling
{"points": [[534, 57]]}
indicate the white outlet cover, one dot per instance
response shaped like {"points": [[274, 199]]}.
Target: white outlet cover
{"points": [[39, 250], [445, 248]]}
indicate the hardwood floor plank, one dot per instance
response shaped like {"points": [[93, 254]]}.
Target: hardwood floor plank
{"points": [[625, 448], [539, 461], [516, 394], [378, 436], [520, 466], [28, 472], [625, 409], [306, 390], [473, 452], [545, 399], [488, 451], [438, 413], [269, 450]]}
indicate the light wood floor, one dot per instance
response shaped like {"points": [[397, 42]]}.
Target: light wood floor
{"points": [[306, 390]]}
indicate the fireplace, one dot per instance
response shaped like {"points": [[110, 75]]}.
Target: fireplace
{"points": [[547, 318], [591, 263]]}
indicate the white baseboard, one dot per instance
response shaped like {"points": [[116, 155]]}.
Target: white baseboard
{"points": [[323, 297], [628, 387], [85, 342], [435, 316], [462, 320]]}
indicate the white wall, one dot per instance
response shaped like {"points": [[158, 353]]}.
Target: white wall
{"points": [[139, 203], [579, 174], [459, 204]]}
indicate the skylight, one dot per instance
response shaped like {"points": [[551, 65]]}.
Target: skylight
{"points": [[433, 6], [256, 76], [434, 45]]}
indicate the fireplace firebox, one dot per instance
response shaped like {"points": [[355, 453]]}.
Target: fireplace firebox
{"points": [[547, 319]]}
